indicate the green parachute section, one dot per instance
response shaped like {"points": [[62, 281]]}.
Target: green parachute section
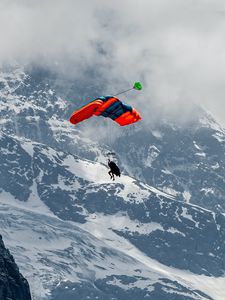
{"points": [[137, 86]]}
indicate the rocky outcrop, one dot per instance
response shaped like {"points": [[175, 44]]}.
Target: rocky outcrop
{"points": [[13, 286]]}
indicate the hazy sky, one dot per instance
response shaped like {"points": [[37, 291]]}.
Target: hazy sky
{"points": [[177, 47]]}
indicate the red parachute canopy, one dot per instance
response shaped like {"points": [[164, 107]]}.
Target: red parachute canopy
{"points": [[108, 107]]}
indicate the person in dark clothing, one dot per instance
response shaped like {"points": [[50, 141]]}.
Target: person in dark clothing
{"points": [[114, 169]]}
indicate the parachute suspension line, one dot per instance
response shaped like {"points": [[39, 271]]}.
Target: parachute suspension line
{"points": [[137, 86], [107, 131], [110, 136], [110, 133], [123, 92]]}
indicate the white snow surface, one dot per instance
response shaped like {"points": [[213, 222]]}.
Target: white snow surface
{"points": [[187, 196], [43, 245], [101, 227], [96, 173], [49, 250], [208, 121], [46, 248]]}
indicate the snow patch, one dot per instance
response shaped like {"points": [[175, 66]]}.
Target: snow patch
{"points": [[167, 172], [216, 166], [188, 216], [208, 121], [28, 147], [219, 136], [196, 146], [152, 154], [187, 196], [207, 191], [202, 154], [170, 191], [157, 134]]}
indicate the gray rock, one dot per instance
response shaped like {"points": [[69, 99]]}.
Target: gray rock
{"points": [[13, 286]]}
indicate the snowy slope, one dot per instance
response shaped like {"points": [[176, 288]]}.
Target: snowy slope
{"points": [[141, 221], [51, 251]]}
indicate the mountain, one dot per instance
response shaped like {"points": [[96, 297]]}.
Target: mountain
{"points": [[12, 284], [185, 161], [77, 235]]}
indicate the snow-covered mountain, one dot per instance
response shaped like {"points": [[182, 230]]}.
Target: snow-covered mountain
{"points": [[185, 161], [77, 235]]}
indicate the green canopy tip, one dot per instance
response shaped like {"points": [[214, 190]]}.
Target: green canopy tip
{"points": [[137, 86]]}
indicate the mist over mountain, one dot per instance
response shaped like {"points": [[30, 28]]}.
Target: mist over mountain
{"points": [[176, 48]]}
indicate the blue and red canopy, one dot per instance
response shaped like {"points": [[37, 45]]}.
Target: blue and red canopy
{"points": [[108, 107]]}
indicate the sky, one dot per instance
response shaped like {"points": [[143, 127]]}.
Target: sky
{"points": [[175, 47]]}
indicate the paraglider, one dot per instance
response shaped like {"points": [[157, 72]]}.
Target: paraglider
{"points": [[108, 107], [113, 108]]}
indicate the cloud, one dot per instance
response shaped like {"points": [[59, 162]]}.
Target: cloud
{"points": [[176, 47], [47, 30]]}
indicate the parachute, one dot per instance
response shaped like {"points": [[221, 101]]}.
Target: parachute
{"points": [[108, 107]]}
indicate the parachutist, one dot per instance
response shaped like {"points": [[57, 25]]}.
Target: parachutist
{"points": [[114, 169]]}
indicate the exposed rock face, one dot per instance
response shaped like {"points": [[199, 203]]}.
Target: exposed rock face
{"points": [[13, 286]]}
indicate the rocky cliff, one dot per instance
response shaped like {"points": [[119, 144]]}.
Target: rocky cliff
{"points": [[13, 286]]}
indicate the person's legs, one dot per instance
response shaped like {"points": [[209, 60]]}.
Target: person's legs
{"points": [[110, 174]]}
